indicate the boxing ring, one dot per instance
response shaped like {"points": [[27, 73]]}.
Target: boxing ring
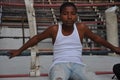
{"points": [[86, 53], [19, 67]]}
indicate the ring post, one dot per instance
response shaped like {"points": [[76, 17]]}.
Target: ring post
{"points": [[33, 31], [112, 25]]}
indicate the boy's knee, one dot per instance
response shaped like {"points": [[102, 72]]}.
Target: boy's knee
{"points": [[59, 78]]}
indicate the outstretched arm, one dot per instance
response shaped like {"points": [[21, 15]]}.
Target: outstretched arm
{"points": [[31, 42], [101, 41]]}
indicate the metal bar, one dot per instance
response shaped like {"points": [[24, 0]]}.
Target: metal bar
{"points": [[46, 25], [58, 5], [15, 37], [23, 31]]}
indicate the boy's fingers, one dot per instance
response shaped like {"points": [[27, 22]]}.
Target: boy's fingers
{"points": [[9, 55]]}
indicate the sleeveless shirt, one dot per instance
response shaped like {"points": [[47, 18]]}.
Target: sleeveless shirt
{"points": [[67, 48]]}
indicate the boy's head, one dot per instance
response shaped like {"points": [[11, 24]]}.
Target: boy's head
{"points": [[68, 13], [67, 4]]}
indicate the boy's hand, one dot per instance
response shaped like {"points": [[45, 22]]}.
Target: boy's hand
{"points": [[117, 50], [13, 53]]}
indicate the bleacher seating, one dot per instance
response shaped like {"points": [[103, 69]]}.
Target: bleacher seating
{"points": [[94, 15]]}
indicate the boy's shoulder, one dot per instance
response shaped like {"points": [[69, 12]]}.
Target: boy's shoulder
{"points": [[81, 25], [53, 28]]}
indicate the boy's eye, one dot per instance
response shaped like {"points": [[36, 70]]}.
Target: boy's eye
{"points": [[67, 13], [64, 13], [73, 13]]}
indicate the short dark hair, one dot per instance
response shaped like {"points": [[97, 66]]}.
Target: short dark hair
{"points": [[66, 4]]}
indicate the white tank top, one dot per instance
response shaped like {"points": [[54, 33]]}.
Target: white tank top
{"points": [[67, 48]]}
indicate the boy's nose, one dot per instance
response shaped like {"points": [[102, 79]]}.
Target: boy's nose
{"points": [[69, 16]]}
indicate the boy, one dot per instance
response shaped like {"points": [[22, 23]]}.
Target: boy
{"points": [[67, 39]]}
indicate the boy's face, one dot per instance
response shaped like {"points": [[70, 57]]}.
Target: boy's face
{"points": [[68, 16]]}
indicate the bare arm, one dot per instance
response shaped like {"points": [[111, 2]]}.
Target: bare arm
{"points": [[101, 41], [31, 42]]}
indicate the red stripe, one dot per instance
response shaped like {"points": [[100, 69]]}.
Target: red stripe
{"points": [[45, 74], [103, 72], [20, 75], [57, 5]]}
